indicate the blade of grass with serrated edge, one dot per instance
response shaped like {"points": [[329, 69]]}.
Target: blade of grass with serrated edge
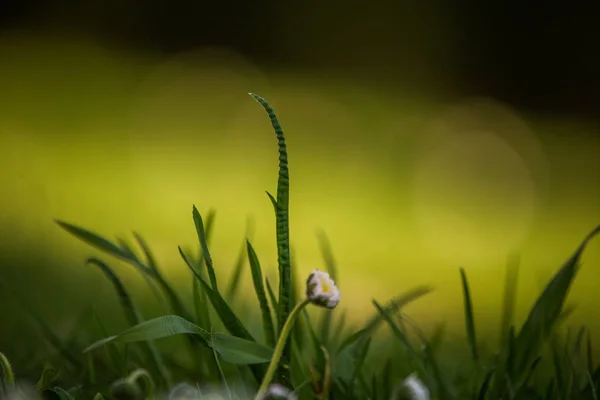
{"points": [[47, 332], [327, 255], [230, 320], [283, 235], [259, 289], [133, 317], [547, 309], [469, 319], [204, 246]]}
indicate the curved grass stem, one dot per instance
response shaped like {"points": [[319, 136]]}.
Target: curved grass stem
{"points": [[287, 327]]}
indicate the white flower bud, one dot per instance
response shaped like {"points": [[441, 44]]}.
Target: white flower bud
{"points": [[321, 289], [277, 391]]}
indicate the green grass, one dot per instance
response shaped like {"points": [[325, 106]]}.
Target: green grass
{"points": [[218, 353]]}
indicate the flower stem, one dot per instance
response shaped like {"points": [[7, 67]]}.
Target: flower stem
{"points": [[8, 372], [285, 331]]}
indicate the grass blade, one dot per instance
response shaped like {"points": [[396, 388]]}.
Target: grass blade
{"points": [[547, 309], [204, 246], [283, 234], [469, 320], [510, 296], [238, 269], [133, 316], [240, 351], [152, 329], [227, 316], [259, 288], [97, 241], [395, 305], [330, 264], [43, 327]]}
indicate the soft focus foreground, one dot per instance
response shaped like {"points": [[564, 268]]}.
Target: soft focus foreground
{"points": [[407, 188]]}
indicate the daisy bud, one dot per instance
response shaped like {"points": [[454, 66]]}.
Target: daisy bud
{"points": [[321, 289]]}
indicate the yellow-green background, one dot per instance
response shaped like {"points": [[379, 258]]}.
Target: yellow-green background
{"points": [[408, 186]]}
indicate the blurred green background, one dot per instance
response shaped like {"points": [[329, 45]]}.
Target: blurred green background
{"points": [[115, 120]]}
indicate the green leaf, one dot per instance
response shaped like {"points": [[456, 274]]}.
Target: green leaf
{"points": [[283, 235], [152, 329], [240, 351], [203, 244], [259, 289], [547, 309], [469, 320]]}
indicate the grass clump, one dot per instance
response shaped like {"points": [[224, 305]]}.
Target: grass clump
{"points": [[294, 356]]}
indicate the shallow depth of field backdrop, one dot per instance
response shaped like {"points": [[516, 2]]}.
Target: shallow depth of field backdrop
{"points": [[401, 148]]}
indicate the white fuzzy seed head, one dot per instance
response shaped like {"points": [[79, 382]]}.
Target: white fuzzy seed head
{"points": [[277, 391], [321, 290], [413, 389]]}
